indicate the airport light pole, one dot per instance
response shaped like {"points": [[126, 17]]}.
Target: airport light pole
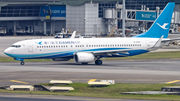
{"points": [[123, 18]]}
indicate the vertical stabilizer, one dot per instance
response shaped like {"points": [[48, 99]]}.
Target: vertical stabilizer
{"points": [[73, 34], [161, 25]]}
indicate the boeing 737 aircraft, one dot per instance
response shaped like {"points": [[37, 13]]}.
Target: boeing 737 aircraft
{"points": [[85, 50]]}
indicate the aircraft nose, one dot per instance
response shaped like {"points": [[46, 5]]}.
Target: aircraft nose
{"points": [[7, 51]]}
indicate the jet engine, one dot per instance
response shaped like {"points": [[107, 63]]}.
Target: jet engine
{"points": [[83, 57]]}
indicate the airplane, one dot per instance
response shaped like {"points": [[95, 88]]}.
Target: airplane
{"points": [[86, 50]]}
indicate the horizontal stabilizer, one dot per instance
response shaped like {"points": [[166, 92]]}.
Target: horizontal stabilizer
{"points": [[167, 40]]}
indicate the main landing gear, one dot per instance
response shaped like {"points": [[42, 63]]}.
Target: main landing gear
{"points": [[22, 63], [98, 62]]}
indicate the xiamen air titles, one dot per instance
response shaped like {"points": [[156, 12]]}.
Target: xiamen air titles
{"points": [[57, 42]]}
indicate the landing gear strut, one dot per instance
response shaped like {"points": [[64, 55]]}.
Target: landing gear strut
{"points": [[22, 63], [98, 62]]}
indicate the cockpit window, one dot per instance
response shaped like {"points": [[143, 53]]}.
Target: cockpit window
{"points": [[17, 46]]}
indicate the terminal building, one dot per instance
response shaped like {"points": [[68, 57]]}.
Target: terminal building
{"points": [[87, 17]]}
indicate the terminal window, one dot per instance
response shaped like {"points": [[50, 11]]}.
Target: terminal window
{"points": [[20, 11]]}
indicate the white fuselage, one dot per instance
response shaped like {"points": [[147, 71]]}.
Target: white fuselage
{"points": [[52, 48]]}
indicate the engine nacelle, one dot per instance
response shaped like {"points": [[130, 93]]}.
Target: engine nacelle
{"points": [[83, 57], [61, 59]]}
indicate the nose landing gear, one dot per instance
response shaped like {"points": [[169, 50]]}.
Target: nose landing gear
{"points": [[19, 59]]}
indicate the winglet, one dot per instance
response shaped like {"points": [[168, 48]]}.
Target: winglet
{"points": [[157, 45], [73, 34], [158, 42]]}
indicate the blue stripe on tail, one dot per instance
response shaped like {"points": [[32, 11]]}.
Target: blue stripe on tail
{"points": [[161, 25]]}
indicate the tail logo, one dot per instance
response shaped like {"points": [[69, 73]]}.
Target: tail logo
{"points": [[163, 26]]}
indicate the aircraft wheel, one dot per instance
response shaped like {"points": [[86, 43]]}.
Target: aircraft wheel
{"points": [[98, 62], [22, 63]]}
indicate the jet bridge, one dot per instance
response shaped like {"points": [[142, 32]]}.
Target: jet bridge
{"points": [[137, 21]]}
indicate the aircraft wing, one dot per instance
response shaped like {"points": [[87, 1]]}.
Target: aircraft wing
{"points": [[120, 52], [168, 40]]}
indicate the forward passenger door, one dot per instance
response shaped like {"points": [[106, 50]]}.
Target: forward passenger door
{"points": [[30, 47]]}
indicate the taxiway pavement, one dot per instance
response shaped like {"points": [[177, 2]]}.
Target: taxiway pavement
{"points": [[122, 71]]}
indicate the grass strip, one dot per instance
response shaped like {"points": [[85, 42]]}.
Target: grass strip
{"points": [[151, 55], [112, 91]]}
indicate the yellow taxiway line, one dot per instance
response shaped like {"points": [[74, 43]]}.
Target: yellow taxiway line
{"points": [[19, 81], [92, 80], [173, 81]]}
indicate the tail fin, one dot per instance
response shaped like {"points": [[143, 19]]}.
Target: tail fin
{"points": [[161, 25], [73, 34]]}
